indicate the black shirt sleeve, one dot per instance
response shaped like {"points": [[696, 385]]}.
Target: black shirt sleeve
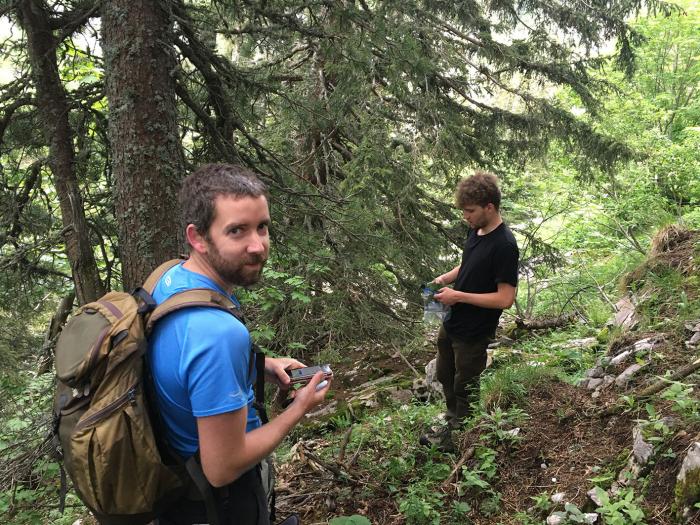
{"points": [[506, 263]]}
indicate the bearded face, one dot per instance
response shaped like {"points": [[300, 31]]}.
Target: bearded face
{"points": [[238, 243], [244, 271]]}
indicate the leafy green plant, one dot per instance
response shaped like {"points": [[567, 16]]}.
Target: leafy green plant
{"points": [[421, 504], [543, 503], [603, 478], [623, 509], [572, 514], [499, 424], [684, 403]]}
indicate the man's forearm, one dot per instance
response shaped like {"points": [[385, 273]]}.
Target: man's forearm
{"points": [[262, 441], [495, 300], [238, 454], [449, 277]]}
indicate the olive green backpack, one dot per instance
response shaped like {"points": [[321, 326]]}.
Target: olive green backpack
{"points": [[103, 424]]}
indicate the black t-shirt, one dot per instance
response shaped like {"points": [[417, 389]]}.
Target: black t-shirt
{"points": [[487, 261]]}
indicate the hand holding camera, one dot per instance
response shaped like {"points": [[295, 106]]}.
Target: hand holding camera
{"points": [[304, 375]]}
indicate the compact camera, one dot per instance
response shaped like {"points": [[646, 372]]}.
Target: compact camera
{"points": [[304, 375]]}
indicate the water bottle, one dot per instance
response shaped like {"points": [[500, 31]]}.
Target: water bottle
{"points": [[433, 311]]}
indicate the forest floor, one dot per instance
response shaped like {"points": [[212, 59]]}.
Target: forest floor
{"points": [[563, 446]]}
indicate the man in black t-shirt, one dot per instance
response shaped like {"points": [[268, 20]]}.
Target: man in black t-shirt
{"points": [[484, 285]]}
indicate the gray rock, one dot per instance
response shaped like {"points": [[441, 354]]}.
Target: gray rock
{"points": [[598, 371], [643, 345], [593, 496], [687, 489], [693, 326], [626, 376], [420, 390], [400, 396], [619, 358], [431, 380], [607, 381], [594, 383], [630, 473], [555, 519], [695, 339], [648, 344], [641, 450], [585, 342], [625, 317], [558, 497]]}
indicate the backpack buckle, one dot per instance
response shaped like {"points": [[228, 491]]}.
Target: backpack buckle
{"points": [[146, 301]]}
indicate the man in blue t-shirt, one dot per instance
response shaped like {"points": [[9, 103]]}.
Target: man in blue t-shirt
{"points": [[484, 285], [200, 356]]}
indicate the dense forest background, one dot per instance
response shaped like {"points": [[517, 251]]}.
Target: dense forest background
{"points": [[361, 116]]}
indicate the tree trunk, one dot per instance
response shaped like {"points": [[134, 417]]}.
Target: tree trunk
{"points": [[146, 151], [53, 108]]}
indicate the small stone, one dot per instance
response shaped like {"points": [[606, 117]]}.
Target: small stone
{"points": [[641, 450], [513, 432], [619, 358], [590, 517], [695, 339], [581, 343], [558, 497], [431, 380], [555, 519], [607, 381], [593, 495], [693, 326], [543, 466], [598, 371], [594, 383], [647, 344], [626, 376]]}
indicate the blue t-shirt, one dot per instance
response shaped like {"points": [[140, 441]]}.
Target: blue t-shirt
{"points": [[200, 361]]}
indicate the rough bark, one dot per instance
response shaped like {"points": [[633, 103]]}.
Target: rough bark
{"points": [[147, 157], [52, 104]]}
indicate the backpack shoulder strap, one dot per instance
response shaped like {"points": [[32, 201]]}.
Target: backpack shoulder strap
{"points": [[150, 283], [144, 293], [193, 297]]}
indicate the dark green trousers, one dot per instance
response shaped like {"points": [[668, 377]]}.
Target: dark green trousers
{"points": [[459, 365]]}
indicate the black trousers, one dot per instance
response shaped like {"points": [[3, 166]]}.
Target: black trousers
{"points": [[243, 502], [459, 365]]}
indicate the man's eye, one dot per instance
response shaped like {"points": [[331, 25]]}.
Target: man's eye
{"points": [[234, 231], [263, 227]]}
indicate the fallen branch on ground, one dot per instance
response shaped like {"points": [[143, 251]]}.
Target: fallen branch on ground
{"points": [[465, 457], [654, 388]]}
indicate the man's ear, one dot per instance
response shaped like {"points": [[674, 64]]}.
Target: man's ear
{"points": [[195, 239]]}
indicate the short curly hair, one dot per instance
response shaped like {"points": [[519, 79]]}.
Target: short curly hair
{"points": [[201, 188], [480, 189]]}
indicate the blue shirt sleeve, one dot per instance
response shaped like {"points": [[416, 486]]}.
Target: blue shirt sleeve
{"points": [[215, 364]]}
